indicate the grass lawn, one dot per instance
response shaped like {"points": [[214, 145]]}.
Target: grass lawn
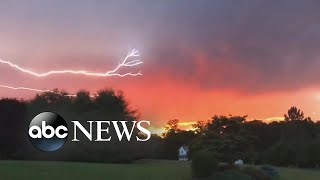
{"points": [[297, 174], [141, 170]]}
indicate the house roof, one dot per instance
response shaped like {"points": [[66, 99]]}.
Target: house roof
{"points": [[185, 148]]}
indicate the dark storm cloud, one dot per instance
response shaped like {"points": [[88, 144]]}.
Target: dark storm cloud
{"points": [[267, 44]]}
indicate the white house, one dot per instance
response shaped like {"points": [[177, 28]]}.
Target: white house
{"points": [[238, 162], [183, 153]]}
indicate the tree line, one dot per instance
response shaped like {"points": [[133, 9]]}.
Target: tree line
{"points": [[108, 104], [292, 142]]}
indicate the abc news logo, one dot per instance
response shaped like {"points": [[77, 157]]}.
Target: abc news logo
{"points": [[48, 131]]}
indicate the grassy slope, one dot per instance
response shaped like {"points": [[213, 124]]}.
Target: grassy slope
{"points": [[298, 174], [148, 169], [68, 171]]}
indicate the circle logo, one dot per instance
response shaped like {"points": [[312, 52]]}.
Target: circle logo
{"points": [[48, 131]]}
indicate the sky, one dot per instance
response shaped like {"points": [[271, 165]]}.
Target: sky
{"points": [[201, 58]]}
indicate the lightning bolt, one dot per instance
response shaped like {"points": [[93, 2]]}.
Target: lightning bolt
{"points": [[36, 90], [39, 90], [24, 88], [124, 63]]}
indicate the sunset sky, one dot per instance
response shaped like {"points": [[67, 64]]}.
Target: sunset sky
{"points": [[201, 58]]}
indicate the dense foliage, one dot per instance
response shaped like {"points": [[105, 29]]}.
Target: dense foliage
{"points": [[203, 164], [107, 105], [293, 142]]}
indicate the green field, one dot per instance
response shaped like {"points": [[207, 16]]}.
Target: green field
{"points": [[141, 170]]}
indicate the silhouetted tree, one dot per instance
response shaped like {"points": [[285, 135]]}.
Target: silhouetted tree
{"points": [[13, 127], [294, 114], [172, 125], [107, 105]]}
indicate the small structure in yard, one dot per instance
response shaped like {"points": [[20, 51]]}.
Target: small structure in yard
{"points": [[238, 162], [183, 153]]}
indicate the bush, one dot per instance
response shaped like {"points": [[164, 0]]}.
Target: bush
{"points": [[255, 173], [227, 167], [203, 164], [270, 171]]}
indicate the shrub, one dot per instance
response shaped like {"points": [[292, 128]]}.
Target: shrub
{"points": [[227, 167], [270, 171], [255, 173], [203, 164]]}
